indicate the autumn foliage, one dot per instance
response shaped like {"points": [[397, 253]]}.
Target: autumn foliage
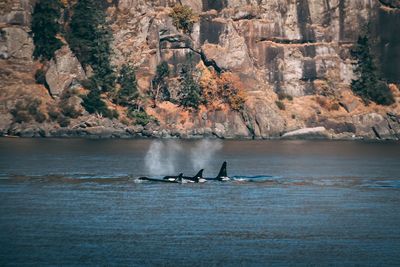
{"points": [[224, 88]]}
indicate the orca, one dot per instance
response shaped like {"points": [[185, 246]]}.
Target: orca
{"points": [[198, 178], [167, 179], [222, 175]]}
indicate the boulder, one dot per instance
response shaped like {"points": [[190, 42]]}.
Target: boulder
{"points": [[372, 125], [15, 43], [308, 133], [64, 69]]}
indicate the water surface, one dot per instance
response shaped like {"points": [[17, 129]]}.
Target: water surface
{"points": [[77, 202]]}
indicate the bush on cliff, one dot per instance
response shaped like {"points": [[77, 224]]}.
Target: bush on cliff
{"points": [[92, 102], [159, 84], [25, 111], [45, 28], [183, 18], [89, 38], [141, 117], [368, 85], [231, 91], [224, 88], [127, 81], [190, 95]]}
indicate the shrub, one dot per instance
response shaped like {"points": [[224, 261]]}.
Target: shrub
{"points": [[24, 112], [40, 117], [92, 102], [63, 121], [209, 87], [231, 91], [21, 116], [52, 112], [368, 84], [141, 117], [280, 105], [45, 27], [190, 95], [283, 96], [226, 88], [127, 80], [34, 106], [69, 110], [335, 106], [183, 18], [40, 77], [159, 87]]}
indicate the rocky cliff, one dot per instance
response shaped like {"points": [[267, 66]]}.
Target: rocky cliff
{"points": [[292, 58]]}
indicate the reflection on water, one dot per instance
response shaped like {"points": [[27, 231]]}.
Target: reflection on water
{"points": [[78, 202]]}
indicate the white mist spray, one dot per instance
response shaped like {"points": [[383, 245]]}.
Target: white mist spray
{"points": [[203, 153], [161, 158]]}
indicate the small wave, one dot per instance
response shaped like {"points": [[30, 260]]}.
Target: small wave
{"points": [[255, 178], [73, 178], [381, 184]]}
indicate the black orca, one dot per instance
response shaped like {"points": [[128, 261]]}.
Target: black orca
{"points": [[198, 178], [167, 179], [222, 175]]}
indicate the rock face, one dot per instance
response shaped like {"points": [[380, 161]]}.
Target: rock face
{"points": [[281, 45], [64, 69], [298, 50], [15, 44]]}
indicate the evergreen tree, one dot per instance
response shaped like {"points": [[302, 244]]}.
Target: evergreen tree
{"points": [[190, 95], [45, 27], [368, 85], [92, 102], [128, 83], [159, 86], [90, 38]]}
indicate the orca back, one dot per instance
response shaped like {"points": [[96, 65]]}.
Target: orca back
{"points": [[222, 171]]}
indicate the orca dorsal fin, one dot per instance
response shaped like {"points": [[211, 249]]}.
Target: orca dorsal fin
{"points": [[199, 174], [222, 171], [179, 177]]}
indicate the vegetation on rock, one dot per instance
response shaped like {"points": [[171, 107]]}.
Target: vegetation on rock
{"points": [[159, 84], [368, 85], [190, 94], [28, 110], [92, 102], [45, 28], [224, 88], [183, 18], [40, 77], [128, 86], [90, 38], [141, 117], [231, 90], [280, 105]]}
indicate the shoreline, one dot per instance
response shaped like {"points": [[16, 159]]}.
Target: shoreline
{"points": [[194, 138]]}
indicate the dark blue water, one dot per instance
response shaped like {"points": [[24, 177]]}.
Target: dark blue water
{"points": [[77, 202]]}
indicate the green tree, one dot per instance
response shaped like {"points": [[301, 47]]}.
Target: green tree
{"points": [[127, 80], [45, 27], [92, 102], [190, 95], [183, 18], [368, 85], [90, 38], [159, 86]]}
